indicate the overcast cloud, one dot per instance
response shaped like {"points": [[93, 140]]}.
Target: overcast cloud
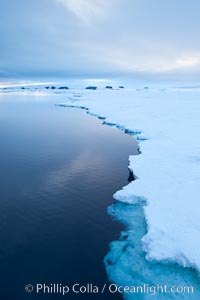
{"points": [[99, 37]]}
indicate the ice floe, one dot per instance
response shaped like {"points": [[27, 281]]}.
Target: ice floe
{"points": [[167, 124]]}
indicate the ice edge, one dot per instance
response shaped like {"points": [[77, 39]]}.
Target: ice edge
{"points": [[130, 198]]}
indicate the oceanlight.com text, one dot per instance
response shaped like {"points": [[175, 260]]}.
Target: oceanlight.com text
{"points": [[76, 288]]}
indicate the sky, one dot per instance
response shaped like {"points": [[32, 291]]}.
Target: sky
{"points": [[99, 37]]}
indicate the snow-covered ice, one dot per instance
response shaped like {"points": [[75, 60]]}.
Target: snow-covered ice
{"points": [[168, 168], [166, 123]]}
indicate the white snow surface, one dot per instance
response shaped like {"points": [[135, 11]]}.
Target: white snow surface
{"points": [[168, 169]]}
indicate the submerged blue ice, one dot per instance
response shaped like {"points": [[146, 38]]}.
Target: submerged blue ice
{"points": [[126, 264]]}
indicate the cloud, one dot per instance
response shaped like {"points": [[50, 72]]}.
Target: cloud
{"points": [[98, 37], [188, 61], [86, 10]]}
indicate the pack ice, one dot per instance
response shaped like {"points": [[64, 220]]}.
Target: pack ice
{"points": [[166, 122]]}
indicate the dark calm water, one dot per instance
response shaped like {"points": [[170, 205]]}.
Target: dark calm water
{"points": [[58, 171]]}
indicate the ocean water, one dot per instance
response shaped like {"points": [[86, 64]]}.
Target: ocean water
{"points": [[59, 170]]}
